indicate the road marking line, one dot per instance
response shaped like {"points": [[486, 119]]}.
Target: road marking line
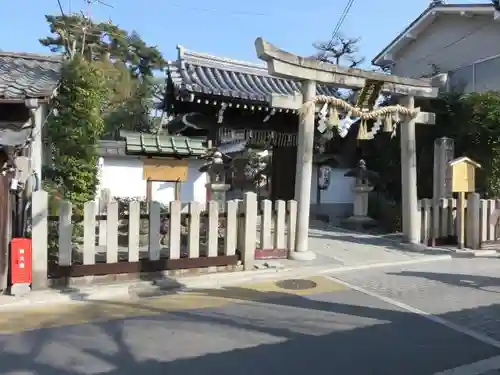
{"points": [[436, 319], [476, 368]]}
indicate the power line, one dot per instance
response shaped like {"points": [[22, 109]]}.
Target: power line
{"points": [[340, 22], [225, 11]]}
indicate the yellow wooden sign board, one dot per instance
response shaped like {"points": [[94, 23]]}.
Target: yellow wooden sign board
{"points": [[165, 169], [463, 175], [463, 180]]}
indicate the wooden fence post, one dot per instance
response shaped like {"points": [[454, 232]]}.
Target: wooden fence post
{"points": [[112, 233], [89, 224], [491, 224], [435, 221], [154, 231], [461, 220], [65, 229], [266, 225], [472, 221], [213, 229], [134, 224], [174, 230], [426, 229], [444, 225], [291, 225], [279, 226], [194, 230], [231, 228], [452, 216], [249, 230], [39, 237], [483, 221]]}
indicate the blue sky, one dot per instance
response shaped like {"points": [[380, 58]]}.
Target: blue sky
{"points": [[222, 27]]}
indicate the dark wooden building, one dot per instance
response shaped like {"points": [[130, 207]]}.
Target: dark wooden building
{"points": [[228, 101], [27, 81]]}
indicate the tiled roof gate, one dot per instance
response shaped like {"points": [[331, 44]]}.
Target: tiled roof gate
{"points": [[200, 73]]}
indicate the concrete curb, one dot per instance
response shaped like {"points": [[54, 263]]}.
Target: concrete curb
{"points": [[179, 284], [468, 253]]}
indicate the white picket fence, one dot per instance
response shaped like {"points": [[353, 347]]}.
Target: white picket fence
{"points": [[442, 219], [207, 231]]}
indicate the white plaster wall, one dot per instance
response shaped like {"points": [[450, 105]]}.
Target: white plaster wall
{"points": [[123, 177], [339, 191]]}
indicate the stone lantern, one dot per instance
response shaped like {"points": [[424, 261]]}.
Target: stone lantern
{"points": [[217, 177], [364, 184]]}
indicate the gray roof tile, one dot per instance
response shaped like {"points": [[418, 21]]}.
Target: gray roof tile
{"points": [[24, 75], [201, 73]]}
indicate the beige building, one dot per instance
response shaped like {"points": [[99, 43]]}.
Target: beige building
{"points": [[460, 39]]}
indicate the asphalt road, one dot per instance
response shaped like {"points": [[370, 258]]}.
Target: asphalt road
{"points": [[258, 329]]}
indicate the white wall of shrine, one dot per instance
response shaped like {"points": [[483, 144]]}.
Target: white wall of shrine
{"points": [[337, 200], [123, 177]]}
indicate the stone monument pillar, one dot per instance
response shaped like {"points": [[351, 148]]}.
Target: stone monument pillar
{"points": [[444, 151]]}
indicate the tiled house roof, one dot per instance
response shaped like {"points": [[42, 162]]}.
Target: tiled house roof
{"points": [[201, 73], [25, 76]]}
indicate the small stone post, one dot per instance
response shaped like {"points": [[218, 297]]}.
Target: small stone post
{"points": [[39, 236]]}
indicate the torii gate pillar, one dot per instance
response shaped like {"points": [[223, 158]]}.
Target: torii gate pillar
{"points": [[303, 176], [409, 198], [309, 72]]}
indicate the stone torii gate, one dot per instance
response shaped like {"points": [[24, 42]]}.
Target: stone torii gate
{"points": [[310, 71]]}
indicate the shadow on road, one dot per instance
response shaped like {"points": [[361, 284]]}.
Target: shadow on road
{"points": [[279, 334]]}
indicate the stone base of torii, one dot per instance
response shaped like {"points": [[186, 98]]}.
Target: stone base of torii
{"points": [[310, 71]]}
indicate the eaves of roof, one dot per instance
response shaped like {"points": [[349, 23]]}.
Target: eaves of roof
{"points": [[200, 73], [164, 145], [422, 22], [28, 76]]}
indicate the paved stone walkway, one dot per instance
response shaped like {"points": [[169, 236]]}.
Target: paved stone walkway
{"points": [[339, 247]]}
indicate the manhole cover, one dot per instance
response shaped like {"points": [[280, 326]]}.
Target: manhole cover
{"points": [[296, 284]]}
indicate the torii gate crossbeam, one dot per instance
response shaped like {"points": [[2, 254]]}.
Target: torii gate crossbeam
{"points": [[309, 71]]}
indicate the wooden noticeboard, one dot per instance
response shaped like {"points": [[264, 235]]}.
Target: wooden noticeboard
{"points": [[463, 180], [165, 170]]}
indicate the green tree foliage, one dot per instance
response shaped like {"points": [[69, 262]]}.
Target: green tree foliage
{"points": [[472, 121], [95, 40], [127, 63], [75, 130], [134, 112], [479, 137]]}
